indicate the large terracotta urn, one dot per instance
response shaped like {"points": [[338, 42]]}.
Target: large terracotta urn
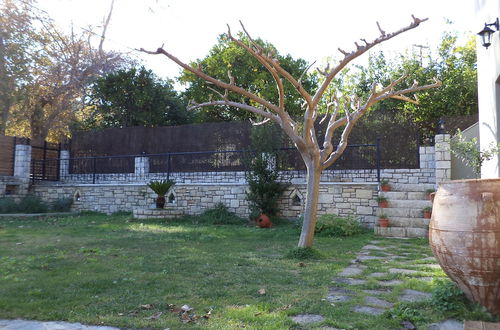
{"points": [[464, 235]]}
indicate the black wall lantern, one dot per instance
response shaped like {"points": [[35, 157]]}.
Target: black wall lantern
{"points": [[487, 32]]}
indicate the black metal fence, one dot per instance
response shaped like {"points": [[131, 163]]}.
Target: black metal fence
{"points": [[192, 165]]}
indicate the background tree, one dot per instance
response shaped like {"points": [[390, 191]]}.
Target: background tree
{"points": [[226, 57], [453, 64], [16, 34], [135, 97], [343, 111], [58, 70]]}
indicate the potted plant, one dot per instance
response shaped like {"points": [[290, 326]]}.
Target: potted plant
{"points": [[428, 193], [427, 212], [384, 185], [383, 221], [382, 202], [160, 187]]}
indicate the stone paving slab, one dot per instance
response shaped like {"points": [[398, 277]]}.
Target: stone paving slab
{"points": [[447, 325], [352, 270], [373, 247], [41, 325], [377, 302], [365, 258], [414, 295], [350, 281], [390, 282], [384, 291], [375, 275], [368, 310], [305, 319], [402, 271]]}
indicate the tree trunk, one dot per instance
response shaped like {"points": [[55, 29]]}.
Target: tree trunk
{"points": [[311, 208]]}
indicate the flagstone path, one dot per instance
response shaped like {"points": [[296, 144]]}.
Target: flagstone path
{"points": [[395, 256]]}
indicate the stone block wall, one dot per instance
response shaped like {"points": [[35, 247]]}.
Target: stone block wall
{"points": [[337, 198], [13, 187], [443, 157]]}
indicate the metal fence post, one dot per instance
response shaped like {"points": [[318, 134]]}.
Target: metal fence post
{"points": [[168, 166], [418, 149], [14, 154], [94, 169], [378, 159], [44, 164]]}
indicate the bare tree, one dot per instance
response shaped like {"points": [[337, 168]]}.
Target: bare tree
{"points": [[59, 67], [343, 112]]}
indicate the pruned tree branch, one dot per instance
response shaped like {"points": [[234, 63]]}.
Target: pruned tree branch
{"points": [[327, 156], [348, 57]]}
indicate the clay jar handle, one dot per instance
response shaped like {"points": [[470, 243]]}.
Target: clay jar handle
{"points": [[432, 195]]}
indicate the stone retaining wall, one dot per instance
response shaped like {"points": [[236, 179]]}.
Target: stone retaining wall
{"points": [[337, 198], [14, 187]]}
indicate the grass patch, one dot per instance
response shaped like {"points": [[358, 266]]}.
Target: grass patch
{"points": [[98, 269], [303, 253]]}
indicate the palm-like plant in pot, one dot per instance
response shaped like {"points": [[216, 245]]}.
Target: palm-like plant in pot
{"points": [[160, 187]]}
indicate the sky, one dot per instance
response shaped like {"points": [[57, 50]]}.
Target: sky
{"points": [[309, 29]]}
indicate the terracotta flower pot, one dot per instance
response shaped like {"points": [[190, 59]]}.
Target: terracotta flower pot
{"points": [[464, 235], [383, 204], [160, 202], [263, 221], [383, 222], [427, 214], [385, 187]]}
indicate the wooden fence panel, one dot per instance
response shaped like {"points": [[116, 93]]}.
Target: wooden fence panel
{"points": [[6, 155]]}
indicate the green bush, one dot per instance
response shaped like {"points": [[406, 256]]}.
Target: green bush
{"points": [[32, 204], [8, 205], [337, 226], [412, 312], [62, 204], [219, 215], [160, 187], [263, 176], [448, 298]]}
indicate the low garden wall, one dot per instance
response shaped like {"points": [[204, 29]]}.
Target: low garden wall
{"points": [[337, 198]]}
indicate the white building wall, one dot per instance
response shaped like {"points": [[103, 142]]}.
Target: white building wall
{"points": [[488, 69]]}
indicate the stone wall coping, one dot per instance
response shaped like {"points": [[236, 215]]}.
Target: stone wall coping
{"points": [[194, 184]]}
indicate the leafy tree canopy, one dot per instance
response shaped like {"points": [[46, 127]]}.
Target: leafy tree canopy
{"points": [[135, 97], [452, 63], [226, 57]]}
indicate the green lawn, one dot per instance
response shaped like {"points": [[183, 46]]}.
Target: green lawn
{"points": [[111, 270]]}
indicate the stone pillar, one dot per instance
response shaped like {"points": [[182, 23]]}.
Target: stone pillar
{"points": [[427, 157], [141, 165], [22, 161], [64, 165], [442, 157]]}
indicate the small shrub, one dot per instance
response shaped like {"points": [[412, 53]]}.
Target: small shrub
{"points": [[8, 205], [303, 253], [336, 226], [412, 312], [160, 187], [62, 205], [219, 215], [32, 204], [448, 298]]}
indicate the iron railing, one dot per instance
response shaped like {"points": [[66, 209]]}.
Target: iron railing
{"points": [[229, 164]]}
